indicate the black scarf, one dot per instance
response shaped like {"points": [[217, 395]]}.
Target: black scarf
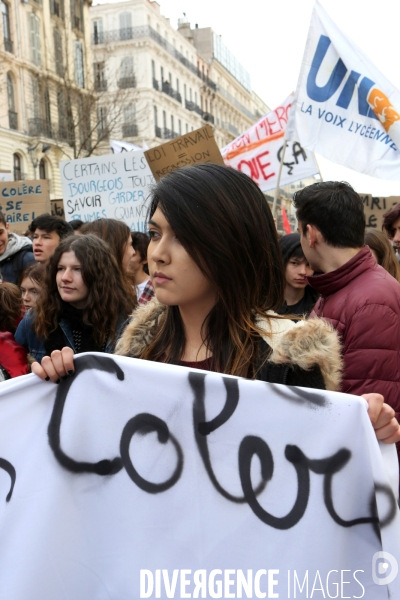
{"points": [[82, 334]]}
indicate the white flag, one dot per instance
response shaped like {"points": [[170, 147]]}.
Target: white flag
{"points": [[258, 151], [344, 108], [117, 146]]}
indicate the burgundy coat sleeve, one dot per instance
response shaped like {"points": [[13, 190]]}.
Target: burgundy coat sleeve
{"points": [[372, 354]]}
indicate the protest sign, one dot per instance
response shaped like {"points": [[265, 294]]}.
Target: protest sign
{"points": [[198, 146], [6, 176], [114, 186], [345, 109], [22, 201], [57, 208], [135, 479], [375, 208], [258, 151]]}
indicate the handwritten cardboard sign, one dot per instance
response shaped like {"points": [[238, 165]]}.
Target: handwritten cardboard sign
{"points": [[193, 148], [22, 201], [57, 208], [114, 186], [376, 207]]}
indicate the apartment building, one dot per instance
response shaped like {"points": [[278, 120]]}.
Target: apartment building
{"points": [[161, 82], [46, 76]]}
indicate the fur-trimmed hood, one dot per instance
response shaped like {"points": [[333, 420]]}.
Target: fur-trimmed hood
{"points": [[304, 343]]}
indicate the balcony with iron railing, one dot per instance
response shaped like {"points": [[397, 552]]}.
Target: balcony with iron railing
{"points": [[40, 127], [133, 33], [130, 130], [100, 85], [155, 84], [157, 131], [8, 45], [193, 107], [167, 89], [127, 82], [209, 82], [13, 119]]}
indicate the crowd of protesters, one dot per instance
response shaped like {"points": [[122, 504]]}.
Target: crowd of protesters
{"points": [[212, 287]]}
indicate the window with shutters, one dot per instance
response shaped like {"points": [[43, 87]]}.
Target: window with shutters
{"points": [[77, 14], [125, 25], [17, 167], [62, 115], [47, 112], [97, 31], [34, 29], [12, 114], [127, 77], [5, 13], [35, 97], [57, 8], [79, 69], [99, 71], [58, 53], [102, 126]]}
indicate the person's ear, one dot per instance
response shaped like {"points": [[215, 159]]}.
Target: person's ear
{"points": [[313, 235]]}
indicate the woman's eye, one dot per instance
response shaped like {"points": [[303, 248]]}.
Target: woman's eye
{"points": [[152, 234]]}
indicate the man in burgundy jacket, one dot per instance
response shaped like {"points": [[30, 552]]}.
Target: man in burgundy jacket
{"points": [[359, 298]]}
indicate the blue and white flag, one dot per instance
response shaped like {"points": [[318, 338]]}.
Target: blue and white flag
{"points": [[344, 108]]}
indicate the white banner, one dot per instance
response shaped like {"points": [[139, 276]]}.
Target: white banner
{"points": [[345, 109], [258, 151], [135, 479], [118, 146], [114, 186]]}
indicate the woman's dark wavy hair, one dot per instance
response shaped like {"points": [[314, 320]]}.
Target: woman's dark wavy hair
{"points": [[107, 301], [10, 307], [223, 221], [115, 233]]}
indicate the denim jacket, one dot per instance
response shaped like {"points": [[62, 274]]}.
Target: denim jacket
{"points": [[35, 347]]}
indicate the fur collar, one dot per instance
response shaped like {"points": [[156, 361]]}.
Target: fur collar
{"points": [[304, 343]]}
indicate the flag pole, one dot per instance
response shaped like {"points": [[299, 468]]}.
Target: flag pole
{"points": [[279, 179]]}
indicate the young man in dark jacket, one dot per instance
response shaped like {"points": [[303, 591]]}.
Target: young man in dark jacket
{"points": [[359, 298], [15, 253]]}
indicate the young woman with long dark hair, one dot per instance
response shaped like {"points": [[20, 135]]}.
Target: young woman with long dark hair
{"points": [[84, 306], [217, 270]]}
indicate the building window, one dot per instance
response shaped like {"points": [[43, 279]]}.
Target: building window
{"points": [[172, 123], [164, 118], [62, 116], [185, 91], [100, 82], [34, 28], [177, 85], [42, 169], [155, 116], [97, 29], [162, 75], [127, 79], [125, 26], [58, 53], [102, 127], [12, 114], [57, 8], [5, 11], [36, 97], [17, 167], [179, 127], [77, 14], [79, 70], [153, 69], [187, 128], [47, 111]]}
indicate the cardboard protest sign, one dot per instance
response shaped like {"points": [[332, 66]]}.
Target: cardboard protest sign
{"points": [[193, 148], [134, 479], [376, 207], [258, 151], [22, 201], [57, 208], [114, 186]]}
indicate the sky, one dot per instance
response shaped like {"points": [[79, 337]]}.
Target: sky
{"points": [[268, 38]]}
